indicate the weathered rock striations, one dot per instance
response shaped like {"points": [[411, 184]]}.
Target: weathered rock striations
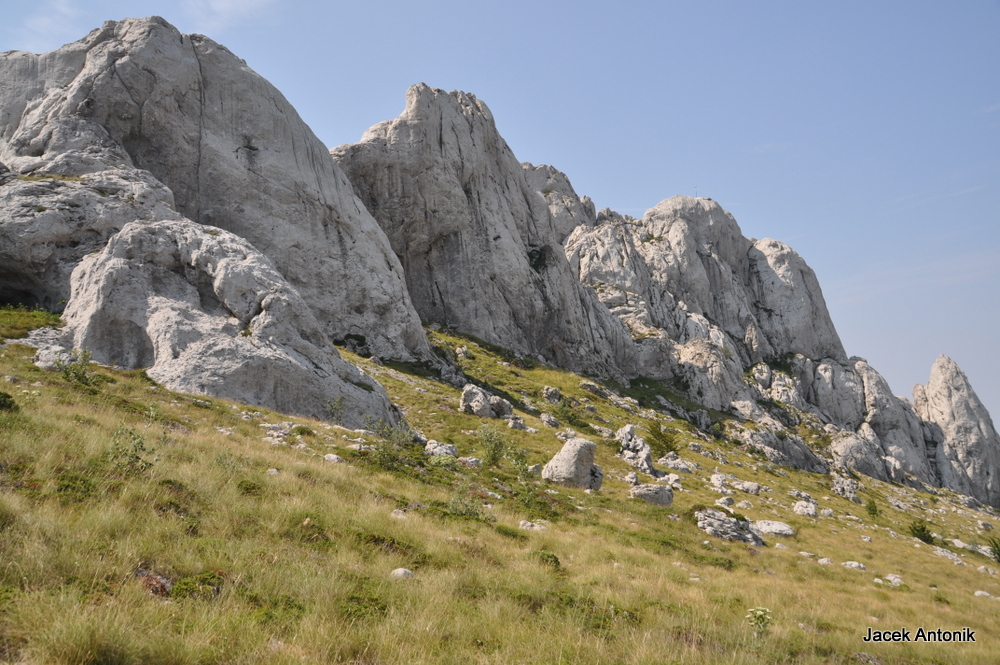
{"points": [[137, 94], [479, 246], [208, 314]]}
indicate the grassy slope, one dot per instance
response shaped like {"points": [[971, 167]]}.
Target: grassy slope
{"points": [[97, 482]]}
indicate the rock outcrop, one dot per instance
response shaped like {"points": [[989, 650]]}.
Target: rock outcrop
{"points": [[574, 466], [479, 246], [634, 450], [49, 222], [478, 402], [685, 269], [139, 95], [960, 432], [208, 314]]}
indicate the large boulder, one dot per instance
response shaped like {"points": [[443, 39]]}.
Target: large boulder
{"points": [[574, 466], [967, 443], [208, 314], [478, 402], [480, 247], [658, 495], [138, 94]]}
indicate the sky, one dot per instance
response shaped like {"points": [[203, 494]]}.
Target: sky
{"points": [[866, 135]]}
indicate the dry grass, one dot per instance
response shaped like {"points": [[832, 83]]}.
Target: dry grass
{"points": [[294, 567]]}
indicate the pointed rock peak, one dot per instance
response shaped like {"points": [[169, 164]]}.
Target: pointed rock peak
{"points": [[948, 381], [969, 453], [945, 366]]}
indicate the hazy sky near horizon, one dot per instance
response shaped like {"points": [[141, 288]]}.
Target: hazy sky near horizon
{"points": [[865, 135]]}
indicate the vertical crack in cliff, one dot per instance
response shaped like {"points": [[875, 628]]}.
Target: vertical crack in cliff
{"points": [[201, 131]]}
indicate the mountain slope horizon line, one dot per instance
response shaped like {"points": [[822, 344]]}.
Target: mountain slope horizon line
{"points": [[160, 153]]}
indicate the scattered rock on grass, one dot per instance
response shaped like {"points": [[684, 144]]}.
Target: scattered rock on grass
{"points": [[804, 508], [718, 524], [436, 448], [574, 466], [658, 495], [773, 528]]}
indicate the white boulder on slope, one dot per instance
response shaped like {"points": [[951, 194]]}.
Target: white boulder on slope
{"points": [[208, 314]]}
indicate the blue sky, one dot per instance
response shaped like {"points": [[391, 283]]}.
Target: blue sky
{"points": [[865, 135]]}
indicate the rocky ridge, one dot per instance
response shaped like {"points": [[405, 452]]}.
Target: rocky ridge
{"points": [[429, 215]]}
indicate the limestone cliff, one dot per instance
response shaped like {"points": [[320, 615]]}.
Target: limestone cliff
{"points": [[138, 94], [479, 247]]}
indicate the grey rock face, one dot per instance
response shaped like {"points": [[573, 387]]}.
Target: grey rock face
{"points": [[686, 262], [208, 314], [480, 247], [574, 466], [137, 94], [47, 224], [658, 495], [860, 451], [566, 209], [717, 523], [846, 487], [773, 528], [804, 508], [968, 457], [478, 402], [635, 450], [788, 450], [436, 448]]}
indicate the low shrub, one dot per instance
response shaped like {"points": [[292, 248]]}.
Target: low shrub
{"points": [[920, 530]]}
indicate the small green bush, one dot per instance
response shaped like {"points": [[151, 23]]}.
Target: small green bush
{"points": [[872, 508], [302, 430], [75, 487], [126, 456], [76, 369], [336, 408], [548, 558], [994, 545], [248, 487], [494, 444], [920, 530], [467, 507], [661, 441], [564, 413], [7, 402]]}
